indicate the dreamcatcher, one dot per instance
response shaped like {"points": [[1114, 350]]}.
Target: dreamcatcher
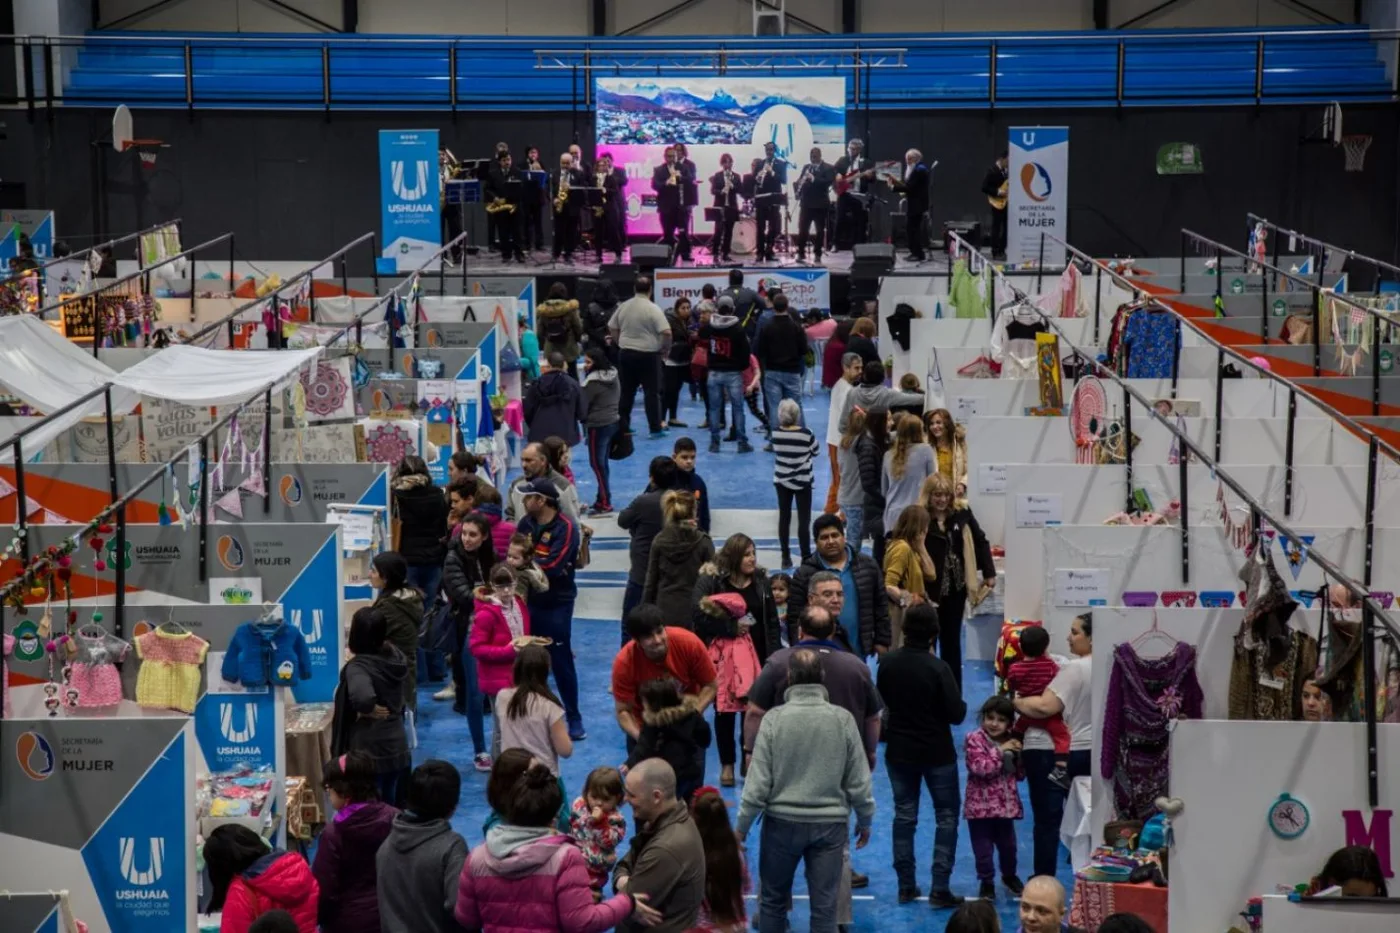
{"points": [[1348, 361], [1087, 407]]}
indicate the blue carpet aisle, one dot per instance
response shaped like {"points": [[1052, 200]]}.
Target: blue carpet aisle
{"points": [[743, 500]]}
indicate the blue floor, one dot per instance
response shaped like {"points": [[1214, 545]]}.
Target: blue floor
{"points": [[735, 482]]}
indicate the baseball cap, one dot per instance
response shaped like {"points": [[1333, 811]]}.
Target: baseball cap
{"points": [[541, 486], [725, 303]]}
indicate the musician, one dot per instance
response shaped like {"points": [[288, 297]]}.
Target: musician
{"points": [[669, 181], [505, 220], [449, 169], [813, 191], [726, 186], [610, 227], [577, 153], [567, 207], [532, 205], [994, 186], [914, 186], [690, 197], [852, 216], [769, 182]]}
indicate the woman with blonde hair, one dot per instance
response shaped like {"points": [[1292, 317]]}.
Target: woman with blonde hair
{"points": [[962, 560], [908, 462], [909, 571], [949, 442], [677, 554]]}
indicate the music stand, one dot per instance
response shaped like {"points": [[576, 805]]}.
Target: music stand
{"points": [[458, 194]]}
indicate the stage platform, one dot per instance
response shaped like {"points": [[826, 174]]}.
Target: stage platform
{"points": [[540, 263]]}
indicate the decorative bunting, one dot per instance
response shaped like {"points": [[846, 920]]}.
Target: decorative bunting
{"points": [[53, 518], [1140, 600], [1384, 597], [1217, 599], [254, 484], [1179, 599], [6, 490], [231, 502], [1296, 554], [1304, 597]]}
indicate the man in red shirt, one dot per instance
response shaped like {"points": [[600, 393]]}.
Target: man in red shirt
{"points": [[658, 650]]}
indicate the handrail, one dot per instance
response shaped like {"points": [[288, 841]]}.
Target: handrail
{"points": [[1145, 296], [1290, 276], [307, 274], [18, 437], [1254, 218], [71, 257]]}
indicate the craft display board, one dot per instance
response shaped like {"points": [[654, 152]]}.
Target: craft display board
{"points": [[106, 809], [1230, 774], [297, 565], [1322, 495], [1147, 560], [1244, 398], [520, 287], [72, 492]]}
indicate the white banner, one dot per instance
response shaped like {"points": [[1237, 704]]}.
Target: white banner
{"points": [[805, 288], [1039, 191]]}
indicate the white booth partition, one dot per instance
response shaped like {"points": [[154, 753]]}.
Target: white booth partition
{"points": [[1244, 398]]}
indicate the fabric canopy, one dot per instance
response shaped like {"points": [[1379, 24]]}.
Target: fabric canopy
{"points": [[46, 371]]}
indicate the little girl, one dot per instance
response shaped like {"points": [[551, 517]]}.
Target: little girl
{"points": [[597, 824], [674, 731], [500, 623], [520, 557], [780, 583], [726, 877], [991, 802], [345, 859]]}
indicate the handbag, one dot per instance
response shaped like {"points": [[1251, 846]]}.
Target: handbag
{"points": [[510, 360], [584, 554], [621, 447]]}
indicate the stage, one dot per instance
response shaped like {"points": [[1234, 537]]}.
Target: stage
{"points": [[540, 263]]}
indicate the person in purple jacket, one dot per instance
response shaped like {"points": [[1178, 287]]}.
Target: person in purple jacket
{"points": [[527, 877], [345, 858]]}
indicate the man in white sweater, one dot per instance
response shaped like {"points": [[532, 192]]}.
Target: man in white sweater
{"points": [[851, 365], [808, 772]]}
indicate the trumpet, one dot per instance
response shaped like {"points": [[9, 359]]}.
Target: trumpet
{"points": [[563, 193], [765, 172], [728, 183], [675, 175]]}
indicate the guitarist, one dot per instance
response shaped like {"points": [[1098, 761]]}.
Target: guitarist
{"points": [[853, 175], [994, 186], [914, 187]]}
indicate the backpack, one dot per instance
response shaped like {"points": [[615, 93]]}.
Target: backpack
{"points": [[1009, 649], [556, 330]]}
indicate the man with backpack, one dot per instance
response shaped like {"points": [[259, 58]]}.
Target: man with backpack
{"points": [[747, 307], [559, 327], [642, 335]]}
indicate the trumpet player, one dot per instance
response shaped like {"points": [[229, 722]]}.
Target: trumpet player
{"points": [[813, 191], [769, 182], [726, 186], [504, 213], [669, 181], [567, 205], [610, 225]]}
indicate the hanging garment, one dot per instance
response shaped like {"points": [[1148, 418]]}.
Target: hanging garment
{"points": [[1145, 695], [963, 293], [1013, 342], [1150, 343], [1343, 673], [1267, 686], [899, 324], [1070, 281]]}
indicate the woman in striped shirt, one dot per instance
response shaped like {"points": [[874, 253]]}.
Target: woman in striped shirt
{"points": [[794, 451]]}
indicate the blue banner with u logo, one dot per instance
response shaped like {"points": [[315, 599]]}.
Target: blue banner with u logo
{"points": [[409, 197]]}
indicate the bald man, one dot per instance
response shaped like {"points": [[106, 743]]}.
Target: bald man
{"points": [[667, 859], [1043, 907]]}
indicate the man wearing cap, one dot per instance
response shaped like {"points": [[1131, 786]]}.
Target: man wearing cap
{"points": [[556, 545], [727, 346]]}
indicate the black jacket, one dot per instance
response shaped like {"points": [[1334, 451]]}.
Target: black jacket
{"points": [[766, 634], [553, 408], [676, 556], [747, 307], [727, 346], [680, 340], [422, 510], [781, 346], [863, 346], [642, 520], [672, 197], [924, 702], [915, 189], [817, 194], [368, 681], [675, 735], [872, 462], [938, 544], [599, 313], [873, 604], [462, 573], [403, 613], [993, 180]]}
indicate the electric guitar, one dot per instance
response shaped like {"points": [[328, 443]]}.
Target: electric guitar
{"points": [[844, 183]]}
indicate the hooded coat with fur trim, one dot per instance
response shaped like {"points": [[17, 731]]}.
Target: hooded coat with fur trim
{"points": [[676, 556], [676, 735], [559, 327]]}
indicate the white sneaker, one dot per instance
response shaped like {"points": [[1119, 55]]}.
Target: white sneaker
{"points": [[446, 693]]}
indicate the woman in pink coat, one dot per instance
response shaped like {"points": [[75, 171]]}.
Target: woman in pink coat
{"points": [[527, 877]]}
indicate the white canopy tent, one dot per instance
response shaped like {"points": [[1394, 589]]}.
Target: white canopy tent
{"points": [[46, 371]]}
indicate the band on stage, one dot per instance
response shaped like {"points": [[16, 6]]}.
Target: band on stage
{"points": [[588, 203]]}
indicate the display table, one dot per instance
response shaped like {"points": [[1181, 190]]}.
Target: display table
{"points": [[309, 748], [1095, 900]]}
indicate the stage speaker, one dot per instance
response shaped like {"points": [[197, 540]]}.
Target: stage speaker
{"points": [[650, 255], [874, 251]]}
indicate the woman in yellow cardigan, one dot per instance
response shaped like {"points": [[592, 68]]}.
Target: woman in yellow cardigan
{"points": [[949, 442], [908, 568]]}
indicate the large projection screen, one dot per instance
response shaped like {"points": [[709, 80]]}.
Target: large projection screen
{"points": [[639, 117]]}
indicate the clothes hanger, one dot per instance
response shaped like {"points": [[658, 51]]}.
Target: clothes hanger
{"points": [[171, 627], [1155, 633]]}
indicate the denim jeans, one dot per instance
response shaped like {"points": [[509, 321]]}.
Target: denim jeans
{"points": [[599, 441], [432, 665], [470, 702], [556, 621], [778, 386], [942, 783], [726, 387], [855, 519], [820, 847], [1048, 803]]}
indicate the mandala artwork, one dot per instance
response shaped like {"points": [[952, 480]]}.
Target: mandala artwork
{"points": [[390, 443], [328, 391]]}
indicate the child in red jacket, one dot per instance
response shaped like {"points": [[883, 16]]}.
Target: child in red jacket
{"points": [[1029, 677], [248, 879]]}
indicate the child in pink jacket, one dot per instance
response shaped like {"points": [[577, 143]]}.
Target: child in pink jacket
{"points": [[991, 803], [529, 878], [500, 618]]}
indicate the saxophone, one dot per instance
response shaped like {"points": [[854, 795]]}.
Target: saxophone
{"points": [[598, 208], [563, 194]]}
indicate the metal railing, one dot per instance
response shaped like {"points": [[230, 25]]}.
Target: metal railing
{"points": [[1313, 246], [307, 275], [82, 255], [445, 80]]}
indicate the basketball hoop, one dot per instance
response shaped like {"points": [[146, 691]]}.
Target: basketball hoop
{"points": [[1356, 147], [148, 159]]}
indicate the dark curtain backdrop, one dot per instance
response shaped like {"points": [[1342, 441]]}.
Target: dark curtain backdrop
{"points": [[297, 185]]}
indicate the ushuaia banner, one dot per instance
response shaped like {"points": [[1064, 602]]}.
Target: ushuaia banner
{"points": [[409, 199], [105, 809]]}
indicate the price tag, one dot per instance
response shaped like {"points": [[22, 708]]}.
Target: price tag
{"points": [[991, 479], [966, 407], [357, 528], [1037, 510], [1083, 587], [468, 390]]}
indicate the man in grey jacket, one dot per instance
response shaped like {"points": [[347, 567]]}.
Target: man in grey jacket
{"points": [[420, 863], [666, 862], [873, 393], [809, 771]]}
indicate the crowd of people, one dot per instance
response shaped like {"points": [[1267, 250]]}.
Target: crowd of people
{"points": [[773, 669]]}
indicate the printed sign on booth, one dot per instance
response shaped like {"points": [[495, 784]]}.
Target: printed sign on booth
{"points": [[805, 288], [1039, 190]]}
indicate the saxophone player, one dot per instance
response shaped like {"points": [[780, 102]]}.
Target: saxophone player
{"points": [[669, 181], [769, 181], [534, 201], [448, 170], [813, 191], [726, 186], [567, 205], [504, 213], [610, 226]]}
